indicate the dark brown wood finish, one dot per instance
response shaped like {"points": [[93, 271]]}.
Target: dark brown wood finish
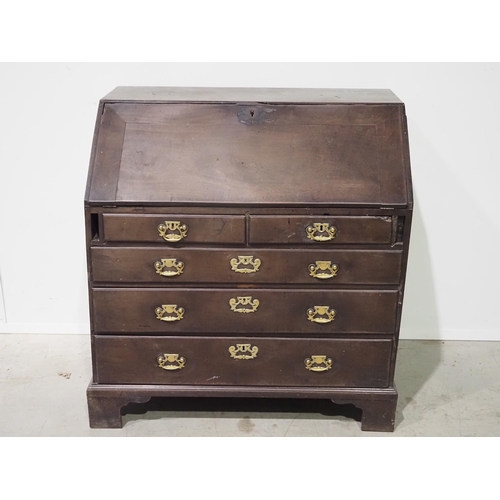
{"points": [[246, 155], [278, 362], [200, 228], [106, 401], [279, 311], [257, 210], [247, 171], [106, 160], [277, 266], [293, 230]]}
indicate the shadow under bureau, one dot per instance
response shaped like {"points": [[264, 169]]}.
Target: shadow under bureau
{"points": [[247, 243]]}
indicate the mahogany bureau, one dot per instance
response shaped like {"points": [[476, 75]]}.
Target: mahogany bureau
{"points": [[247, 243]]}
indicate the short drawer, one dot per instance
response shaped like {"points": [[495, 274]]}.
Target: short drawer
{"points": [[165, 228], [255, 265], [320, 230], [255, 311], [242, 361]]}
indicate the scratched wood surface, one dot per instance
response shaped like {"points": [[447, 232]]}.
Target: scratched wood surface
{"points": [[208, 311], [247, 174], [133, 360], [244, 154]]}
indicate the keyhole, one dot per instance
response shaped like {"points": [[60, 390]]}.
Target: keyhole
{"points": [[252, 112]]}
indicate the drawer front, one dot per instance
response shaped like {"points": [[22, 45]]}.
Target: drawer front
{"points": [[256, 311], [320, 230], [168, 229], [256, 265], [243, 361]]}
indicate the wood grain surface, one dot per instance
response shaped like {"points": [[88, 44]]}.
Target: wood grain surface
{"points": [[208, 311], [279, 362], [129, 265]]}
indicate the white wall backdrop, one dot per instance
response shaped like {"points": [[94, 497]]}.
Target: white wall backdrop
{"points": [[46, 126]]}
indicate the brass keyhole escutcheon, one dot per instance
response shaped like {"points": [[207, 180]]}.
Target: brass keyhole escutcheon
{"points": [[244, 304], [245, 264], [243, 351]]}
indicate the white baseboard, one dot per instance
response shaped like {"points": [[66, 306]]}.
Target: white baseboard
{"points": [[446, 334], [3, 318], [45, 328]]}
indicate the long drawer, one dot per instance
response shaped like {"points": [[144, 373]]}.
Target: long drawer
{"points": [[232, 311], [242, 361], [256, 265]]}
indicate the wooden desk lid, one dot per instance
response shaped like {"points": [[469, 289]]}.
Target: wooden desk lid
{"points": [[262, 147]]}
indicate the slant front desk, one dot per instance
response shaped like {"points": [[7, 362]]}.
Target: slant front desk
{"points": [[247, 243]]}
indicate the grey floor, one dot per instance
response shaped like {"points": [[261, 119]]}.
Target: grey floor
{"points": [[445, 389]]}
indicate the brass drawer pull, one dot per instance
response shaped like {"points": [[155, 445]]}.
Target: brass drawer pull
{"points": [[245, 260], [169, 312], [169, 267], [321, 314], [318, 363], [326, 233], [323, 269], [172, 231], [243, 348], [244, 301], [171, 362]]}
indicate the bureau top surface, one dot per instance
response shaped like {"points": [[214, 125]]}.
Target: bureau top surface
{"points": [[262, 95], [256, 147]]}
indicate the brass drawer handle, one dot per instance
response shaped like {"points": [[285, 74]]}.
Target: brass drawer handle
{"points": [[169, 312], [323, 269], [243, 348], [171, 362], [244, 301], [326, 233], [169, 267], [245, 260], [318, 363], [172, 231], [321, 314]]}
